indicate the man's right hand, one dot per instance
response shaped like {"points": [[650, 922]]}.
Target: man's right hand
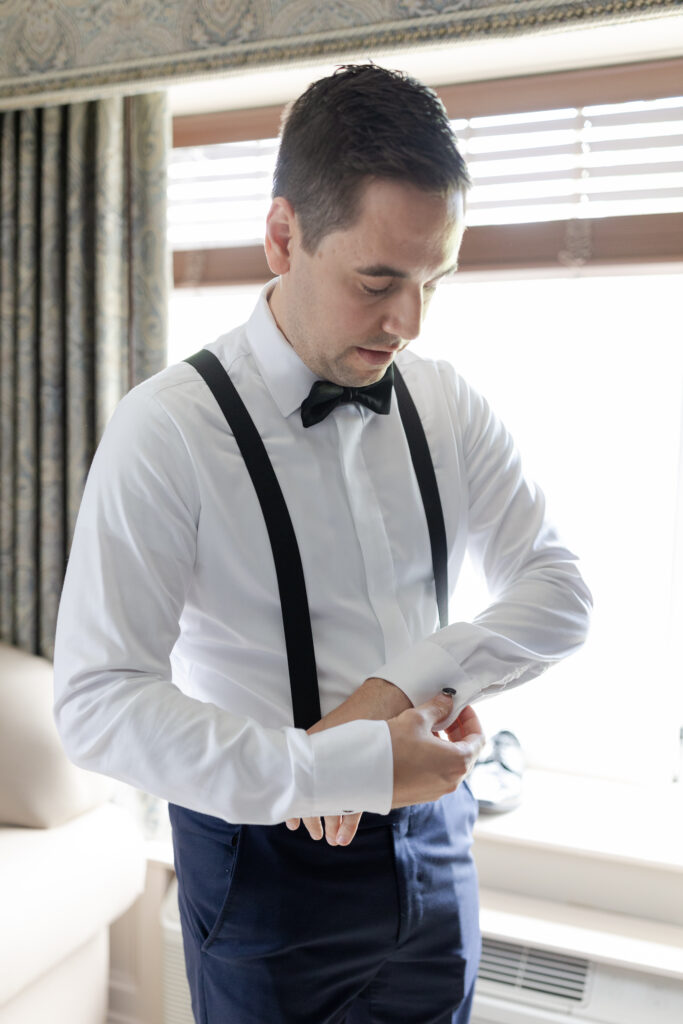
{"points": [[426, 766]]}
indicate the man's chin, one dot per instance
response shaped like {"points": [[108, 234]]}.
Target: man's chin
{"points": [[359, 380], [353, 370]]}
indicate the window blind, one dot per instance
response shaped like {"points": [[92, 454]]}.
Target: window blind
{"points": [[219, 195], [608, 160]]}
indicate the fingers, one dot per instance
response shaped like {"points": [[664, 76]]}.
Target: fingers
{"points": [[347, 826], [426, 765], [332, 825], [464, 725], [467, 735], [436, 712], [467, 729], [312, 825], [338, 830], [470, 748]]}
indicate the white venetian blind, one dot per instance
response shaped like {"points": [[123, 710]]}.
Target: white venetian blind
{"points": [[596, 161], [219, 195]]}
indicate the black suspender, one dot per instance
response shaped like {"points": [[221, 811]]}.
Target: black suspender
{"points": [[296, 619], [429, 490]]}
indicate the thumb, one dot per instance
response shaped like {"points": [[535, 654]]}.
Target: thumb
{"points": [[440, 711]]}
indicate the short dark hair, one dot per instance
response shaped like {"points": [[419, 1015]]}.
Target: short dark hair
{"points": [[362, 122]]}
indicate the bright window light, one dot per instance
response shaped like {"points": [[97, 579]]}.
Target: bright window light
{"points": [[635, 107], [526, 141], [587, 373]]}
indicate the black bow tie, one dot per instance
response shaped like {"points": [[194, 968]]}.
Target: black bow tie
{"points": [[325, 396]]}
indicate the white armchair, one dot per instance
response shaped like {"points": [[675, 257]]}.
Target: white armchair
{"points": [[70, 861]]}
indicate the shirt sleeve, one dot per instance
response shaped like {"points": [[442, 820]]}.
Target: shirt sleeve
{"points": [[116, 707], [540, 604]]}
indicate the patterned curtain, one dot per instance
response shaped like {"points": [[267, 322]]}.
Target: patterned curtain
{"points": [[83, 307]]}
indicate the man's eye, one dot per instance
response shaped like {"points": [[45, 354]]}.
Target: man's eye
{"points": [[375, 291]]}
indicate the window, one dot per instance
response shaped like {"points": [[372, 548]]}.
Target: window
{"points": [[594, 399], [587, 373], [584, 363], [600, 160], [593, 175]]}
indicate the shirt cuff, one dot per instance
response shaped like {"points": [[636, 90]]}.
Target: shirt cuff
{"points": [[426, 668], [353, 768]]}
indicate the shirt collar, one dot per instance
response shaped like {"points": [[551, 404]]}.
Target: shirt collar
{"points": [[287, 378]]}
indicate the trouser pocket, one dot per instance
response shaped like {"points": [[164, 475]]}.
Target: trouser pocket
{"points": [[206, 853]]}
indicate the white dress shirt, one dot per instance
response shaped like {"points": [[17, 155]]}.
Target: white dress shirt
{"points": [[170, 664]]}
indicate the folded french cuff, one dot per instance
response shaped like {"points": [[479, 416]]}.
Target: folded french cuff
{"points": [[353, 768], [424, 669]]}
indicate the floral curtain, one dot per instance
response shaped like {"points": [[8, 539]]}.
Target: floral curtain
{"points": [[83, 306]]}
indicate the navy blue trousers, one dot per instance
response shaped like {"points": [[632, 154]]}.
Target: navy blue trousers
{"points": [[281, 929]]}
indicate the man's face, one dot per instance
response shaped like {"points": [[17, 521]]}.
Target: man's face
{"points": [[350, 306]]}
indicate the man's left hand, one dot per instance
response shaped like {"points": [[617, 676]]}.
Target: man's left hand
{"points": [[375, 699], [339, 829]]}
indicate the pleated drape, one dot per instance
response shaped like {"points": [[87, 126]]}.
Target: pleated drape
{"points": [[83, 308]]}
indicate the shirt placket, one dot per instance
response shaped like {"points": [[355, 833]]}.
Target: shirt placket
{"points": [[370, 529]]}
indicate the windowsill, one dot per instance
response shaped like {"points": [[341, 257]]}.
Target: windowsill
{"points": [[596, 818], [588, 846], [620, 940]]}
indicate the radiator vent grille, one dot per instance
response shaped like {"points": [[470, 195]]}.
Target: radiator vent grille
{"points": [[534, 970]]}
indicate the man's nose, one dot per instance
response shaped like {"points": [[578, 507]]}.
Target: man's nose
{"points": [[403, 316]]}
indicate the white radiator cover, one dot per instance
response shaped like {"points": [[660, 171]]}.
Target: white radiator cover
{"points": [[518, 984], [521, 984], [529, 971]]}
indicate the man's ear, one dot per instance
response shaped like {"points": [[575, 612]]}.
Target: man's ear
{"points": [[280, 229]]}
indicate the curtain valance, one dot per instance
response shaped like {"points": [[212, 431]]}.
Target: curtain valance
{"points": [[49, 48]]}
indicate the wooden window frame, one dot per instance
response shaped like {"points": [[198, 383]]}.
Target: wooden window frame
{"points": [[652, 238]]}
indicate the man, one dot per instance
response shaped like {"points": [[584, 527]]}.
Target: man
{"points": [[184, 658]]}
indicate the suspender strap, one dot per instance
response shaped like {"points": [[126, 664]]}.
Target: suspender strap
{"points": [[426, 479], [296, 619]]}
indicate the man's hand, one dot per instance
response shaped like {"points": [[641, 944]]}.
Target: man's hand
{"points": [[339, 829], [425, 766], [375, 699]]}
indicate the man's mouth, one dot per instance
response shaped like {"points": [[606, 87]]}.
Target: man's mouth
{"points": [[377, 356]]}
